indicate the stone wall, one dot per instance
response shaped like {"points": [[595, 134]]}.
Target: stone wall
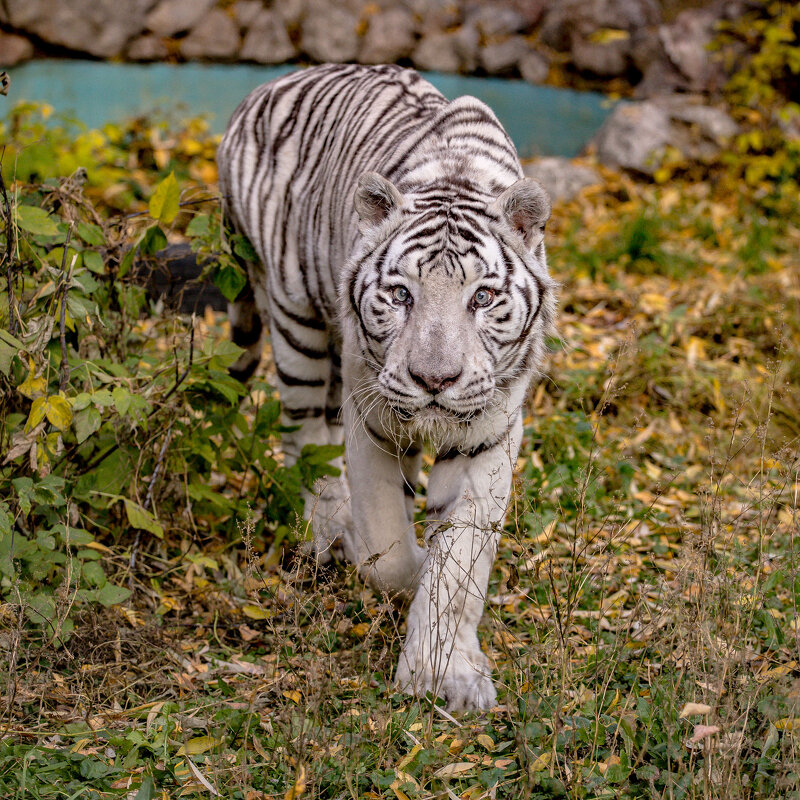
{"points": [[627, 45]]}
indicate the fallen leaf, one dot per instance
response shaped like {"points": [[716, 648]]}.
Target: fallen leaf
{"points": [[690, 709], [449, 770], [299, 784], [703, 732]]}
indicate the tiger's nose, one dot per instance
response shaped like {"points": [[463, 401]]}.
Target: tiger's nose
{"points": [[433, 383]]}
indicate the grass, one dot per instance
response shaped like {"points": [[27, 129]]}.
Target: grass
{"points": [[642, 615]]}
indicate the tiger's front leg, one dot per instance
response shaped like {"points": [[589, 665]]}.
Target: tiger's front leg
{"points": [[383, 542], [467, 499]]}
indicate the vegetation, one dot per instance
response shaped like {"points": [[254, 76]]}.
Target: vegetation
{"points": [[163, 637]]}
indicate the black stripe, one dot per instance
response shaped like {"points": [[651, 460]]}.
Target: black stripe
{"points": [[310, 412], [296, 344], [291, 380]]}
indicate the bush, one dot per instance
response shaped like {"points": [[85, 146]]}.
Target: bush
{"points": [[122, 431]]}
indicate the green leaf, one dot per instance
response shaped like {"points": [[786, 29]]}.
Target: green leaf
{"points": [[141, 518], [165, 202], [91, 234], [153, 241], [126, 263], [36, 220], [93, 261], [111, 594], [122, 400], [243, 248], [86, 422], [9, 347], [198, 225], [147, 791], [94, 575], [230, 280]]}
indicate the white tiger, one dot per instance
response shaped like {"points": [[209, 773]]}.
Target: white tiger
{"points": [[401, 268]]}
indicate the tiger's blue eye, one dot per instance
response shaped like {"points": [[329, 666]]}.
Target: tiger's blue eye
{"points": [[482, 298], [400, 294]]}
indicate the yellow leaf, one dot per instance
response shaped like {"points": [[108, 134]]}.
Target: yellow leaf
{"points": [[541, 762], [608, 35], [293, 695], [486, 742], [652, 302], [788, 724], [449, 770], [38, 409], [164, 204], [32, 386], [398, 792], [695, 351], [690, 709], [360, 629], [59, 412], [409, 756], [299, 785], [198, 745], [256, 612]]}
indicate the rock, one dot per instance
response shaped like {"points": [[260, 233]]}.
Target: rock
{"points": [[636, 134], [267, 41], [534, 67], [14, 49], [530, 10], [713, 123], [565, 19], [437, 52], [435, 15], [634, 137], [493, 20], [448, 52], [175, 16], [245, 12], [502, 57], [560, 177], [216, 36], [390, 37], [147, 48], [329, 33], [291, 12], [686, 43], [99, 27], [646, 48], [659, 78], [605, 59]]}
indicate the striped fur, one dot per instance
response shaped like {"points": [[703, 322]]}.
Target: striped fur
{"points": [[403, 280]]}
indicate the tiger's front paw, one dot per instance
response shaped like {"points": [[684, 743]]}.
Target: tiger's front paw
{"points": [[462, 678]]}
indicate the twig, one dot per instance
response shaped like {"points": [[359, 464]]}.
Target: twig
{"points": [[149, 497], [8, 256], [63, 379]]}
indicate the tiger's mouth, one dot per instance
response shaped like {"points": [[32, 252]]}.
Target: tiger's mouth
{"points": [[434, 410]]}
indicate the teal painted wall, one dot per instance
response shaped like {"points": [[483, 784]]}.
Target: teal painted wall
{"points": [[540, 119]]}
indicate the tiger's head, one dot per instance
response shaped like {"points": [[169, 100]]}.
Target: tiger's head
{"points": [[448, 294]]}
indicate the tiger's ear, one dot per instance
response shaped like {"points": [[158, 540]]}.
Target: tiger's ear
{"points": [[375, 199], [526, 208]]}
